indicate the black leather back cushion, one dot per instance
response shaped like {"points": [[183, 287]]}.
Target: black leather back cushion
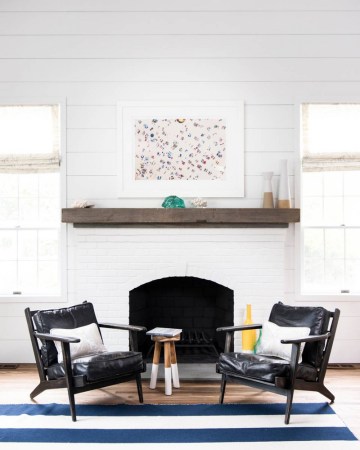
{"points": [[72, 317], [314, 317]]}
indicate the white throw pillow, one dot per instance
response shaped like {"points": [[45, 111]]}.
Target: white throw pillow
{"points": [[271, 336], [90, 343]]}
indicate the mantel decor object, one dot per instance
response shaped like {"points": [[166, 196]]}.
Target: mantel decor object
{"points": [[172, 201], [199, 203], [81, 204], [268, 198], [284, 198], [248, 336]]}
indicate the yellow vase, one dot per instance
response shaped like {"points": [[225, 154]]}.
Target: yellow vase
{"points": [[248, 336]]}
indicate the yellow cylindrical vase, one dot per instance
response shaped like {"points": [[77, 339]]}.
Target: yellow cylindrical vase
{"points": [[248, 336]]}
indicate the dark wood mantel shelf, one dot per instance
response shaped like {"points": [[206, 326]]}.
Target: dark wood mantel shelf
{"points": [[188, 217]]}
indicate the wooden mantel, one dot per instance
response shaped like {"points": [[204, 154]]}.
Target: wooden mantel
{"points": [[187, 217]]}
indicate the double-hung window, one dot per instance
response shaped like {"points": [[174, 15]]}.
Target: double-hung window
{"points": [[330, 203], [30, 226]]}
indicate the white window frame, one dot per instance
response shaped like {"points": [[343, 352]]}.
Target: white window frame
{"points": [[299, 245], [63, 296]]}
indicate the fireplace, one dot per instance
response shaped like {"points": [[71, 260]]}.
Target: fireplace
{"points": [[106, 264], [195, 305]]}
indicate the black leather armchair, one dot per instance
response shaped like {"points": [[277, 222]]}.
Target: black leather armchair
{"points": [[279, 375], [86, 372]]}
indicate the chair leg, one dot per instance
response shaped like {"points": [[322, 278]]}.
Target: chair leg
{"points": [[326, 393], [72, 404], [289, 397], [222, 389], [39, 389], [139, 388]]}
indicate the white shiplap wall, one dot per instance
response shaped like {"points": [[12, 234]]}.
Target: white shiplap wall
{"points": [[92, 54]]}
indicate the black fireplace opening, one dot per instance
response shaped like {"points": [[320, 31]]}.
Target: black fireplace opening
{"points": [[195, 305]]}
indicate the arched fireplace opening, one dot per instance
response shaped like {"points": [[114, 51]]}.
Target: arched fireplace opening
{"points": [[193, 304]]}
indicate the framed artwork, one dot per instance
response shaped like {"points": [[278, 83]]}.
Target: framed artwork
{"points": [[184, 149]]}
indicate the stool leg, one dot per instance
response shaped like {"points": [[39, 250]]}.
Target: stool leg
{"points": [[155, 365], [168, 387], [174, 366]]}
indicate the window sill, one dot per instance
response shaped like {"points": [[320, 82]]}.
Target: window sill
{"points": [[327, 298], [32, 299]]}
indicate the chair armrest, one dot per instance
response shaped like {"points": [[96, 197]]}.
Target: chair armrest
{"points": [[231, 330], [65, 344], [53, 337], [319, 337], [133, 330], [116, 326], [295, 351], [254, 326]]}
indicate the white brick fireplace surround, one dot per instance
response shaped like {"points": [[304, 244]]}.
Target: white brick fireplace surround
{"points": [[106, 263]]}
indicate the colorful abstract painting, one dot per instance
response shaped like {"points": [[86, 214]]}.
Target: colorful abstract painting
{"points": [[180, 149]]}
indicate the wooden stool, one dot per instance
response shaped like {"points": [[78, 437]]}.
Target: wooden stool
{"points": [[170, 362]]}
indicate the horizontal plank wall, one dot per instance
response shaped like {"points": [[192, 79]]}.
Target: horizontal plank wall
{"points": [[93, 53]]}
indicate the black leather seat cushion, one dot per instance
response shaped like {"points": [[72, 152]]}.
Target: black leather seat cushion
{"points": [[101, 366], [72, 317], [260, 367], [314, 317]]}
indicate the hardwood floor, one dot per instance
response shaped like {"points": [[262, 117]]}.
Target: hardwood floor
{"points": [[16, 385]]}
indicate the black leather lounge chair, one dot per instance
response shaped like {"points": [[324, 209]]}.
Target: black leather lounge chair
{"points": [[279, 375], [97, 368]]}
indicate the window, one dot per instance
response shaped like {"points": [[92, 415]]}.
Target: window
{"points": [[330, 204], [30, 227]]}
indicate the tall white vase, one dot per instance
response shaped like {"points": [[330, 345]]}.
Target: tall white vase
{"points": [[268, 199], [284, 198]]}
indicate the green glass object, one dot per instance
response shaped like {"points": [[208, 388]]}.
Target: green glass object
{"points": [[258, 341], [173, 202]]}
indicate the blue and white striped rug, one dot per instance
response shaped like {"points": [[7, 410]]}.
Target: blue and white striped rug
{"points": [[179, 425]]}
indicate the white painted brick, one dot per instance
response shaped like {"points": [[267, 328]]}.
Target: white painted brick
{"points": [[108, 263]]}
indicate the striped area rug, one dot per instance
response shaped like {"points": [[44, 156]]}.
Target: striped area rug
{"points": [[179, 425]]}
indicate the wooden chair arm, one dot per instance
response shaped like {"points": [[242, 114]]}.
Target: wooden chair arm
{"points": [[53, 337], [133, 330], [116, 326], [232, 329], [319, 337]]}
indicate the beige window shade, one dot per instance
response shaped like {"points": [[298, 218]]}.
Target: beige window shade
{"points": [[29, 138], [330, 137]]}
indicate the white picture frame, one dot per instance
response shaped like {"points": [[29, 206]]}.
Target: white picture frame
{"points": [[227, 183]]}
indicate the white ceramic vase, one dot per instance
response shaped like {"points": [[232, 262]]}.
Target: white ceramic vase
{"points": [[284, 198]]}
